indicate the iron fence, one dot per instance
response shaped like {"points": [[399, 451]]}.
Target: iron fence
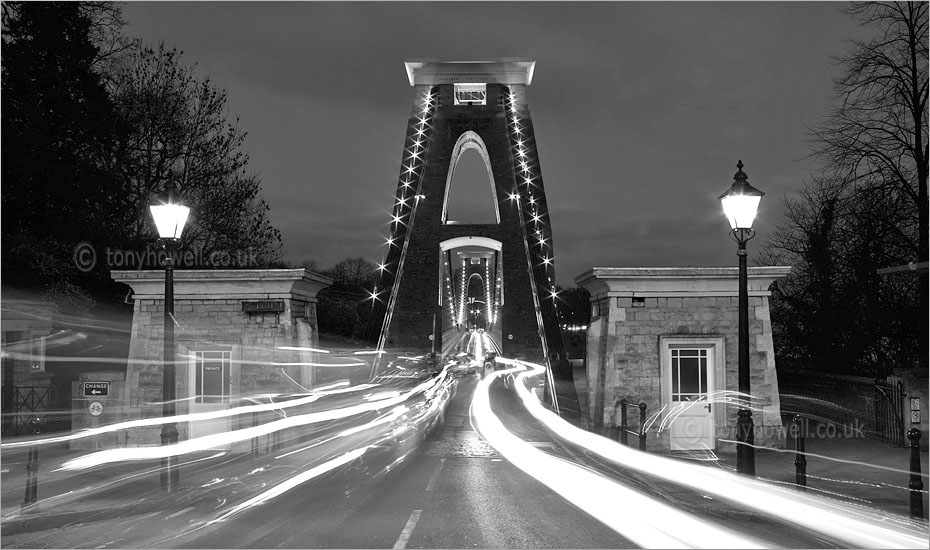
{"points": [[888, 403]]}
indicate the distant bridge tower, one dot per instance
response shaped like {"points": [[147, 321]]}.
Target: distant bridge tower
{"points": [[438, 276]]}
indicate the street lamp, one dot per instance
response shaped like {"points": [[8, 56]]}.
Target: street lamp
{"points": [[170, 215], [740, 203]]}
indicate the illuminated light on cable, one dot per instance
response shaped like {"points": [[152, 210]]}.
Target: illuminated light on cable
{"points": [[382, 267], [410, 168], [402, 201], [852, 525], [389, 241], [487, 288], [373, 295], [532, 200], [462, 296], [524, 166], [397, 219], [542, 241], [547, 260], [645, 521], [553, 294], [514, 197], [536, 218]]}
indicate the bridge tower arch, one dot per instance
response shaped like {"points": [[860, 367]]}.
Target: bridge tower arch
{"points": [[458, 106]]}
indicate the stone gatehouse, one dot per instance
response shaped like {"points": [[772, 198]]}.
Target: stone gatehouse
{"points": [[668, 337], [235, 336]]}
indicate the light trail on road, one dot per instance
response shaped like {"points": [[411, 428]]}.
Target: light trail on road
{"points": [[640, 518], [377, 402], [854, 526]]}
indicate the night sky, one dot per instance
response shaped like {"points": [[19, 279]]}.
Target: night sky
{"points": [[641, 111]]}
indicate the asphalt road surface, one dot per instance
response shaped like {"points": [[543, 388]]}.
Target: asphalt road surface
{"points": [[451, 491]]}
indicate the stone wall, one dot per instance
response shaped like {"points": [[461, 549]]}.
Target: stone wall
{"points": [[635, 309], [209, 315]]}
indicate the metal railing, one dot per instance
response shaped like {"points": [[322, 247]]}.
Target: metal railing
{"points": [[889, 410], [26, 403], [627, 430]]}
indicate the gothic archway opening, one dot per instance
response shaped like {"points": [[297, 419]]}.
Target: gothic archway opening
{"points": [[470, 194]]}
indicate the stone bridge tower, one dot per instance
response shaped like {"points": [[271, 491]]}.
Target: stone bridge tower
{"points": [[421, 290]]}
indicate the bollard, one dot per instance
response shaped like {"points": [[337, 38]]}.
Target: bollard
{"points": [[623, 422], [800, 460], [916, 485], [642, 426], [32, 471]]}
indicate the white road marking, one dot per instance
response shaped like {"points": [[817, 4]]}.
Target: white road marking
{"points": [[408, 530], [179, 512], [432, 480]]}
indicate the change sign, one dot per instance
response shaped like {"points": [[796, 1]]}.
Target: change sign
{"points": [[96, 389]]}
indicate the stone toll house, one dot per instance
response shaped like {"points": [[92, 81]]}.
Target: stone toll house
{"points": [[233, 332], [668, 337]]}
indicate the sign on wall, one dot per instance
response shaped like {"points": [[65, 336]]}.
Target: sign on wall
{"points": [[96, 389], [263, 306]]}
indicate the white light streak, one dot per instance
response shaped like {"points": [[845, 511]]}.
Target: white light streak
{"points": [[852, 525], [642, 519]]}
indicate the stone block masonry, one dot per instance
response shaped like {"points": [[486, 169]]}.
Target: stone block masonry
{"points": [[231, 326], [640, 314]]}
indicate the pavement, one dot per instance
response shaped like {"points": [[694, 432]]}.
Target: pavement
{"points": [[117, 490], [858, 470]]}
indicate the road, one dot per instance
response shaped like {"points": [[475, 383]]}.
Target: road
{"points": [[454, 490]]}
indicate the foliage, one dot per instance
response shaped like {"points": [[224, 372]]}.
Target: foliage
{"points": [[353, 272], [58, 126], [177, 129], [93, 124], [867, 210]]}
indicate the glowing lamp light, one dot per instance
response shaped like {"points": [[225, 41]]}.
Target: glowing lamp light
{"points": [[170, 215], [741, 201]]}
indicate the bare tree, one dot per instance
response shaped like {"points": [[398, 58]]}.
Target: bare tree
{"points": [[875, 138], [176, 126], [356, 272]]}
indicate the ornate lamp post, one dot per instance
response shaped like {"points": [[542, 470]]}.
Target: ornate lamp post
{"points": [[170, 215], [740, 203]]}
